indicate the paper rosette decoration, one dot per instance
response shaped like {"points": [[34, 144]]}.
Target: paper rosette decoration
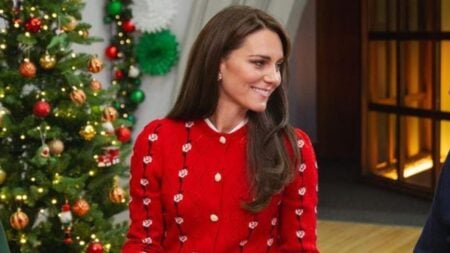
{"points": [[157, 52], [153, 15]]}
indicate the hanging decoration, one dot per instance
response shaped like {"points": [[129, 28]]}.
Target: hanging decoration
{"points": [[157, 52], [152, 18], [121, 54], [19, 220], [41, 109], [153, 15], [27, 69]]}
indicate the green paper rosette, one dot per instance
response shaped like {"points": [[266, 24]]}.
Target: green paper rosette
{"points": [[156, 53]]}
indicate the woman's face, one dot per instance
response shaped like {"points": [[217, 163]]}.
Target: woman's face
{"points": [[251, 73]]}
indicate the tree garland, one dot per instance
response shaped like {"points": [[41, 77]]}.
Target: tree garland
{"points": [[154, 54]]}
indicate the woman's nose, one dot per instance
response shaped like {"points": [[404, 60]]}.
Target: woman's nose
{"points": [[272, 76]]}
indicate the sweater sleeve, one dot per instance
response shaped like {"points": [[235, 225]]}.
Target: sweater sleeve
{"points": [[146, 229], [298, 210]]}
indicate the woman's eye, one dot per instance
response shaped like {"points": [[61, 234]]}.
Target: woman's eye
{"points": [[258, 63], [279, 66]]}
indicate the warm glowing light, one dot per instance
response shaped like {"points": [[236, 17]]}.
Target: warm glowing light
{"points": [[417, 167], [54, 201], [82, 243], [23, 239]]}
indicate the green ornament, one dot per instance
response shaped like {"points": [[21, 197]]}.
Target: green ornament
{"points": [[137, 82], [132, 119], [107, 20], [137, 96], [157, 52], [114, 8], [116, 105], [96, 109]]}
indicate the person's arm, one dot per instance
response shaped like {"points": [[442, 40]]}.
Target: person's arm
{"points": [[4, 248], [146, 228], [435, 235], [298, 204]]}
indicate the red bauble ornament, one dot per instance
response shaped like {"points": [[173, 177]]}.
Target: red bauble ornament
{"points": [[81, 207], [112, 52], [118, 74], [95, 247], [123, 134], [27, 69], [41, 109], [33, 25], [128, 26]]}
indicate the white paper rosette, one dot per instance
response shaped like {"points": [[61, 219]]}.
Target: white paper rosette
{"points": [[153, 15]]}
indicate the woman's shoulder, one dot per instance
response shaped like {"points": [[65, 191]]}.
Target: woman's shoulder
{"points": [[164, 124], [302, 135]]}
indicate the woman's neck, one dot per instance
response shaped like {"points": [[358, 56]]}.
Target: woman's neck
{"points": [[225, 121]]}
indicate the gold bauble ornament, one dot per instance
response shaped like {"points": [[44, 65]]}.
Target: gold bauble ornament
{"points": [[2, 176], [95, 85], [27, 69], [80, 207], [78, 97], [117, 195], [88, 132], [56, 147], [70, 24], [95, 65], [19, 220], [47, 61], [109, 114]]}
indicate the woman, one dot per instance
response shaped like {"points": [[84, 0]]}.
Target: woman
{"points": [[225, 172]]}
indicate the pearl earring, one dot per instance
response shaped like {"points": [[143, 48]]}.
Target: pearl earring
{"points": [[219, 76]]}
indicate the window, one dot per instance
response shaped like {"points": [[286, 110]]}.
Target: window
{"points": [[406, 82]]}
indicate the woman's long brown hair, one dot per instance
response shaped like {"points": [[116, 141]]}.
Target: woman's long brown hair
{"points": [[270, 160]]}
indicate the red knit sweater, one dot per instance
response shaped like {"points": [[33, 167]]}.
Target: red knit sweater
{"points": [[187, 186]]}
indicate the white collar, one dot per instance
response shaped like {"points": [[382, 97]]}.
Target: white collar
{"points": [[237, 127]]}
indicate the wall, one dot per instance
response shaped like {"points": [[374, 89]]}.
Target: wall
{"points": [[339, 79], [303, 81]]}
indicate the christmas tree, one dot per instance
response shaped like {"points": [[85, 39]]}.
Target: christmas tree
{"points": [[62, 142]]}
